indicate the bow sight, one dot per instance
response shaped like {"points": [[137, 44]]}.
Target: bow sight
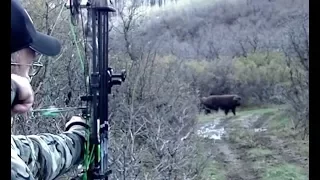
{"points": [[100, 81]]}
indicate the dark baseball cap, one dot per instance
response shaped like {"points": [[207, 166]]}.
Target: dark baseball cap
{"points": [[24, 34]]}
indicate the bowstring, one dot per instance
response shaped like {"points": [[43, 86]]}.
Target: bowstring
{"points": [[89, 154], [80, 57]]}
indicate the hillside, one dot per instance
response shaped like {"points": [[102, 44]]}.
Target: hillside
{"points": [[212, 29]]}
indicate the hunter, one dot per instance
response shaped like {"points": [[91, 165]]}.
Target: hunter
{"points": [[43, 156]]}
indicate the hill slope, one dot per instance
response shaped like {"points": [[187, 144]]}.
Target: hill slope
{"points": [[211, 29]]}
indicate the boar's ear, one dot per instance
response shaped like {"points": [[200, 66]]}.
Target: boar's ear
{"points": [[237, 98]]}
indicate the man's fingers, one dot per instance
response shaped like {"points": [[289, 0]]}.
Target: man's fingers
{"points": [[22, 108], [24, 94]]}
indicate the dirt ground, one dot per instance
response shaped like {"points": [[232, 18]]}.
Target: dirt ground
{"points": [[251, 148]]}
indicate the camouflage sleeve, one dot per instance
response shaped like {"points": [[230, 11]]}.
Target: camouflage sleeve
{"points": [[45, 156]]}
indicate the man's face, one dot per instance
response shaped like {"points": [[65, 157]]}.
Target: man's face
{"points": [[22, 63]]}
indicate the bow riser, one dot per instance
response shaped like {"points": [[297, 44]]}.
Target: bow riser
{"points": [[101, 80]]}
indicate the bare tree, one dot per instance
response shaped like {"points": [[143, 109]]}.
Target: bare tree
{"points": [[296, 50]]}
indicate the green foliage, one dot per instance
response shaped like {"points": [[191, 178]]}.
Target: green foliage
{"points": [[202, 118], [256, 78], [285, 172], [259, 111], [280, 121], [242, 137], [259, 75], [258, 152], [214, 172], [198, 67], [258, 67], [282, 125], [165, 61]]}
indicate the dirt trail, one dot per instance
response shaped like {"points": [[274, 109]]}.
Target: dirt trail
{"points": [[236, 167], [233, 156], [227, 153]]}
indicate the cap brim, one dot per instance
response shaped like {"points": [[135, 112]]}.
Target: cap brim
{"points": [[46, 45]]}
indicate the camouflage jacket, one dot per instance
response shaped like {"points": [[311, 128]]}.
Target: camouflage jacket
{"points": [[45, 156]]}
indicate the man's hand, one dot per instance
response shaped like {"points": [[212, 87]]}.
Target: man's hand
{"points": [[24, 95]]}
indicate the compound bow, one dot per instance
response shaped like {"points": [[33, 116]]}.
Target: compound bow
{"points": [[100, 80]]}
